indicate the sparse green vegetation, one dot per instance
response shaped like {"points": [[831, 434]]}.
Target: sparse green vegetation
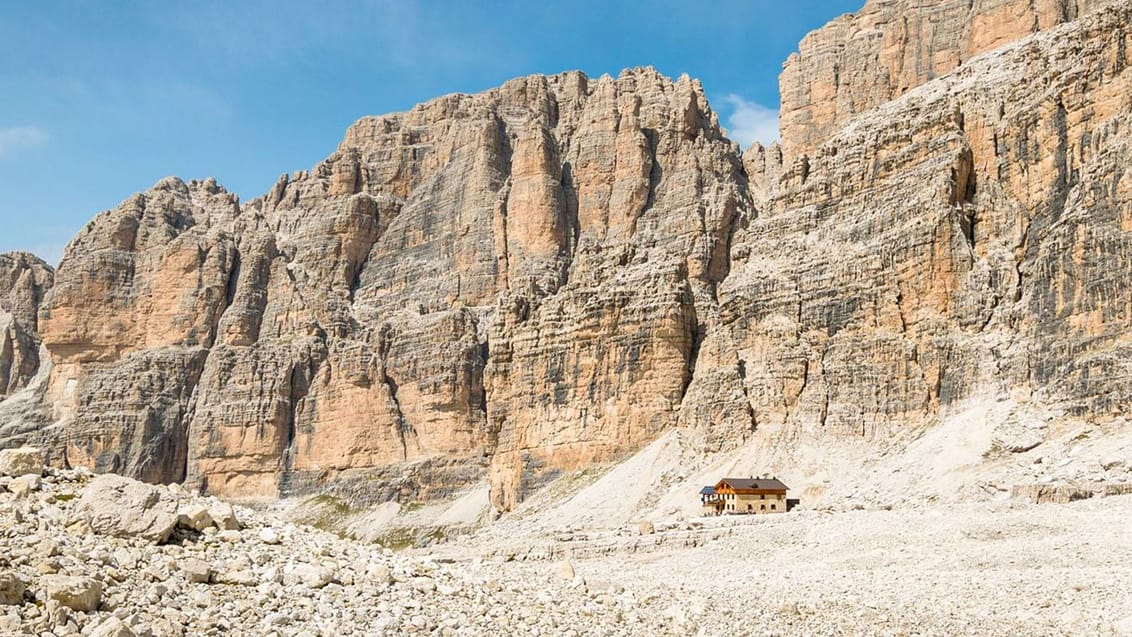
{"points": [[327, 513], [330, 501], [398, 539]]}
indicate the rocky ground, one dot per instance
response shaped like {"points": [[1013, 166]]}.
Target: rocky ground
{"points": [[109, 557]]}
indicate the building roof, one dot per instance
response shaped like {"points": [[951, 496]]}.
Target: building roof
{"points": [[707, 491], [760, 484]]}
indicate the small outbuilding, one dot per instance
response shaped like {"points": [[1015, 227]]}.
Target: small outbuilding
{"points": [[745, 496]]}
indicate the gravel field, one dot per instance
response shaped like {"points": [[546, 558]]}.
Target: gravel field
{"points": [[110, 557], [977, 570]]}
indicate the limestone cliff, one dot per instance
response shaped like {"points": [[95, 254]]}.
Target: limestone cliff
{"points": [[513, 281], [862, 60], [521, 282], [966, 240], [24, 280]]}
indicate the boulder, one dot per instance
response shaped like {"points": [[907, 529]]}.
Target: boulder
{"points": [[269, 536], [11, 590], [379, 574], [122, 507], [76, 593], [112, 627], [196, 571], [22, 461], [244, 577], [312, 575], [224, 516], [19, 487], [194, 516]]}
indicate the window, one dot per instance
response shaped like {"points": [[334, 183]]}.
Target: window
{"points": [[764, 507], [774, 507]]}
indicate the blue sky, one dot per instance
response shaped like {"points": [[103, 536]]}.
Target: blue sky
{"points": [[102, 99]]}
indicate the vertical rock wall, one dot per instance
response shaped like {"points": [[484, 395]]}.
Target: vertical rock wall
{"points": [[974, 251], [862, 60], [515, 279], [522, 282], [24, 280]]}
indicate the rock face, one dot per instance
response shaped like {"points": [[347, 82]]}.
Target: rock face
{"points": [[525, 281], [136, 306], [24, 280], [862, 60], [514, 280], [970, 254]]}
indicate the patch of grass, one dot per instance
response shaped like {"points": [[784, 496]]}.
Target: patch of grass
{"points": [[412, 506], [331, 502], [327, 513], [397, 539], [65, 497]]}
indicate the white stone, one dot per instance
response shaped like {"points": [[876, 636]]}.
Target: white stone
{"points": [[194, 516], [237, 577], [122, 507], [112, 627], [19, 487], [22, 461], [196, 571], [224, 516], [313, 575], [565, 570], [77, 593]]}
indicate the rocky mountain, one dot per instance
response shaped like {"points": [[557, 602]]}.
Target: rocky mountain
{"points": [[520, 283]]}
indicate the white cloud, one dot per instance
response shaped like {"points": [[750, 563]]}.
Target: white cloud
{"points": [[20, 137], [750, 122]]}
